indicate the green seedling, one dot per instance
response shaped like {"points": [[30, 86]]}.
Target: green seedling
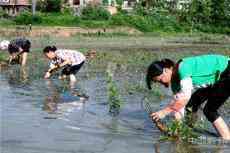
{"points": [[114, 98]]}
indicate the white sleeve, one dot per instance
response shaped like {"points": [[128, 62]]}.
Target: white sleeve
{"points": [[186, 89], [51, 65]]}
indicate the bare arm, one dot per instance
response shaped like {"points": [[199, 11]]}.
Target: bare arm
{"points": [[10, 58], [24, 58], [55, 68], [178, 102], [174, 106]]}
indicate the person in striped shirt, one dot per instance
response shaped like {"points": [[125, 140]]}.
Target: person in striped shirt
{"points": [[193, 81], [70, 61]]}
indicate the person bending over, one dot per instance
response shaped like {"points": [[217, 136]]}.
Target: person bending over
{"points": [[193, 81], [69, 60], [18, 49]]}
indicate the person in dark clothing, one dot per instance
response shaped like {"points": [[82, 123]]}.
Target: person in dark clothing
{"points": [[18, 50]]}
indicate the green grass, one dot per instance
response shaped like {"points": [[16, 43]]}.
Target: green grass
{"points": [[3, 55], [147, 24], [6, 22]]}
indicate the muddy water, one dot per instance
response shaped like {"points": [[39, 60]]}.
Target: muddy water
{"points": [[52, 116]]}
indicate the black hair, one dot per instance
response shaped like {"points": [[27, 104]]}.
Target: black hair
{"points": [[156, 68], [26, 46], [48, 49], [12, 48], [18, 43]]}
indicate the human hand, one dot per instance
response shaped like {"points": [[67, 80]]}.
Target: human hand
{"points": [[47, 75], [156, 116]]}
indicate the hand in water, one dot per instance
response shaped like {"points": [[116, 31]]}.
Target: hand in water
{"points": [[47, 75], [156, 116]]}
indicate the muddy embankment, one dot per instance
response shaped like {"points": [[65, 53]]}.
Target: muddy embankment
{"points": [[60, 31], [66, 37]]}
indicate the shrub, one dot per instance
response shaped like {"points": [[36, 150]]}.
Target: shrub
{"points": [[94, 24], [67, 10], [155, 19], [119, 2], [105, 2], [49, 5], [140, 23], [37, 18], [26, 17], [60, 19], [119, 19], [41, 6], [3, 14], [91, 12], [200, 11]]}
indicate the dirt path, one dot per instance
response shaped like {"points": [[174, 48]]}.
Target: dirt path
{"points": [[61, 31]]}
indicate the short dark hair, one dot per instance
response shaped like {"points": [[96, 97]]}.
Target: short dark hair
{"points": [[48, 49], [12, 48], [26, 46], [18, 43], [156, 68]]}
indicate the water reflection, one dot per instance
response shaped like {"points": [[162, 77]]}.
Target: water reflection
{"points": [[183, 147], [18, 76], [77, 129], [62, 98], [52, 99]]}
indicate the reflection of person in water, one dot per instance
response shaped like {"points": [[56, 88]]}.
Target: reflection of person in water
{"points": [[59, 98], [70, 60], [51, 101], [18, 50], [18, 76], [193, 81], [183, 147]]}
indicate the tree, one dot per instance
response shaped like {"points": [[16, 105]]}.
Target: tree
{"points": [[200, 11], [49, 5], [220, 11]]}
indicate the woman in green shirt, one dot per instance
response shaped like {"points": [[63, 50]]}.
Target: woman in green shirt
{"points": [[193, 81]]}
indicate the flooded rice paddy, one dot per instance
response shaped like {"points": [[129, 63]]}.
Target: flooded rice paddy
{"points": [[54, 116]]}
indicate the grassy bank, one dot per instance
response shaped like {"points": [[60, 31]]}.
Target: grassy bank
{"points": [[154, 23]]}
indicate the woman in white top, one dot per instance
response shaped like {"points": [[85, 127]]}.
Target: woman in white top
{"points": [[70, 60]]}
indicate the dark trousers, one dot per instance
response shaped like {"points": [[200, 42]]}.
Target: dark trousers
{"points": [[215, 95], [69, 69]]}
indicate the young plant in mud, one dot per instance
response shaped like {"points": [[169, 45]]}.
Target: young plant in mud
{"points": [[179, 130], [114, 98]]}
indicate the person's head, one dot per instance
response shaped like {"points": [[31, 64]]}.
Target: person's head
{"points": [[13, 50], [160, 71], [4, 44], [49, 52]]}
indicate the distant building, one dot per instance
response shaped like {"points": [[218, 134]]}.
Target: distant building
{"points": [[181, 4], [13, 7], [77, 3], [177, 4], [129, 4]]}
